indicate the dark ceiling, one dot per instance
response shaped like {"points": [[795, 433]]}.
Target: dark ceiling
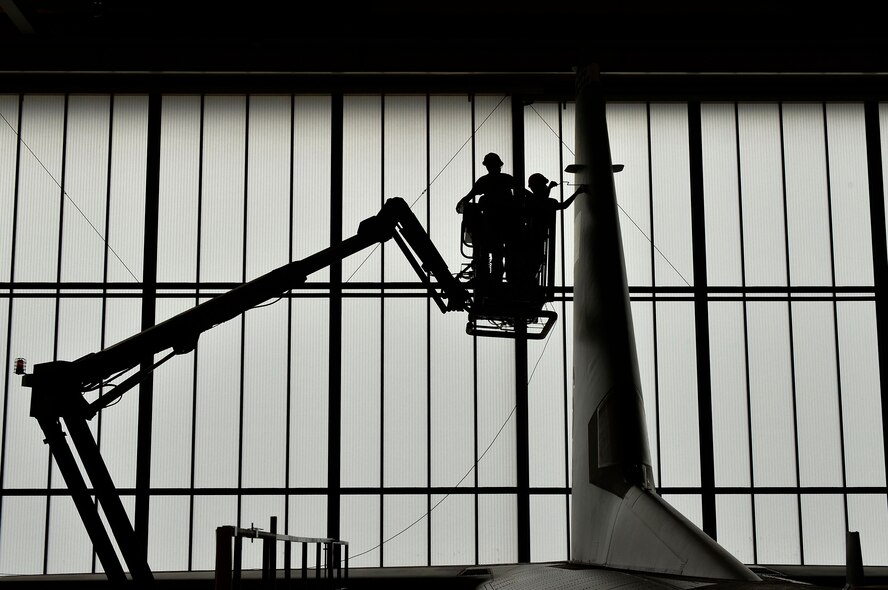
{"points": [[483, 39], [457, 36]]}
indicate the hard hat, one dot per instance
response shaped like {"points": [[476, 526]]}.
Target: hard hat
{"points": [[537, 179], [492, 159]]}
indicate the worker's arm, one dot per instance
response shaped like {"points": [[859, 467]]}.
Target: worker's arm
{"points": [[570, 199]]}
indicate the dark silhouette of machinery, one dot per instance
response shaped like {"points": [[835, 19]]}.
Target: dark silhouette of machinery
{"points": [[515, 298], [58, 387]]}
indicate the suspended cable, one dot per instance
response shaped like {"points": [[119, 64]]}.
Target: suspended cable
{"points": [[471, 469], [465, 143], [629, 217], [67, 196]]}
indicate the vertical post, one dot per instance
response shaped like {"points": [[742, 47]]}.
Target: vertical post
{"points": [[523, 446], [346, 562], [521, 412], [238, 560], [149, 301], [880, 258], [224, 535], [334, 428], [272, 550], [288, 550], [701, 320], [317, 560], [853, 561], [304, 560]]}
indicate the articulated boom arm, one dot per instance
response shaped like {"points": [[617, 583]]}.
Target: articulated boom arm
{"points": [[58, 387]]}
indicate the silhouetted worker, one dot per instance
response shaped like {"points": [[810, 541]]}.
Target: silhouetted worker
{"points": [[537, 220], [496, 204]]}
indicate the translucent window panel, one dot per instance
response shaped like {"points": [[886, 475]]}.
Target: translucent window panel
{"points": [[257, 511], [733, 517], [172, 405], [497, 529], [217, 406], [823, 529], [86, 187], [311, 177], [168, 520], [39, 195], [567, 217], [264, 448], [493, 132], [771, 395], [496, 419], [883, 139], [26, 458], [118, 426], [180, 189], [868, 515], [721, 190], [546, 409], [223, 190], [453, 529], [730, 415], [807, 197], [361, 392], [21, 551], [405, 392], [861, 398], [450, 163], [670, 175], [690, 506], [677, 394], [361, 180], [452, 403], [542, 145], [568, 322], [360, 527], [79, 327], [777, 529], [404, 170], [9, 146], [405, 529], [210, 512], [817, 395], [68, 548], [126, 215], [628, 133], [7, 357], [308, 518], [548, 528], [761, 192], [309, 392], [852, 236], [543, 154], [268, 184], [643, 322]]}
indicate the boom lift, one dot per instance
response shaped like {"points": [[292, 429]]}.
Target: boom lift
{"points": [[58, 387]]}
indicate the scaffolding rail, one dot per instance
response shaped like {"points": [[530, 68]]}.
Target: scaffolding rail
{"points": [[229, 556]]}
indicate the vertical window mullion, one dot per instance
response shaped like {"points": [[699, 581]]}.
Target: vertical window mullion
{"points": [[382, 340], [792, 369], [107, 229], [835, 313], [200, 158], [745, 330]]}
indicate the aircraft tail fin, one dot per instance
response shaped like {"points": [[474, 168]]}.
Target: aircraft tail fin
{"points": [[618, 520]]}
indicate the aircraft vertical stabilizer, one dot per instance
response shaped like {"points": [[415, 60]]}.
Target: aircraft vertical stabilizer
{"points": [[618, 520]]}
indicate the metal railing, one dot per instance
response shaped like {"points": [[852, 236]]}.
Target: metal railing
{"points": [[229, 562]]}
